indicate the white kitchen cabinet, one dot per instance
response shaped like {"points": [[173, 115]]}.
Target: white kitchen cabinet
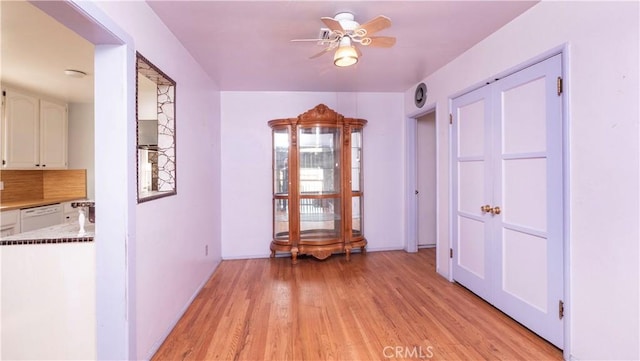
{"points": [[9, 223], [20, 130], [53, 135], [34, 132]]}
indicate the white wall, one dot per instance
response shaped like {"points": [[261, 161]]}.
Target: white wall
{"points": [[81, 142], [603, 92], [172, 233], [48, 302], [246, 164]]}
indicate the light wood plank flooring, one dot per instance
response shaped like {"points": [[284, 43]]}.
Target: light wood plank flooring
{"points": [[377, 305]]}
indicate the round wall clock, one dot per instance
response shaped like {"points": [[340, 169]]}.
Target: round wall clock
{"points": [[420, 96]]}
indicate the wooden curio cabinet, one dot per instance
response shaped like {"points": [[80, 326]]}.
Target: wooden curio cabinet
{"points": [[317, 184]]}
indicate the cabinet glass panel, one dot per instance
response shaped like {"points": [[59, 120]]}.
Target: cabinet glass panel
{"points": [[356, 218], [356, 158], [281, 161], [319, 160], [320, 218], [281, 219]]}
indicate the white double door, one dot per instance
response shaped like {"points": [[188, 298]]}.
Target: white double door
{"points": [[507, 177]]}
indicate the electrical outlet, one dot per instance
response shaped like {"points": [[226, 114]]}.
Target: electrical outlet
{"points": [[206, 249]]}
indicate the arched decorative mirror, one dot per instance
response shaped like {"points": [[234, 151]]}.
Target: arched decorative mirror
{"points": [[156, 132]]}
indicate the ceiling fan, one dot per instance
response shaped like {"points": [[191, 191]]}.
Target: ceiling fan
{"points": [[344, 32]]}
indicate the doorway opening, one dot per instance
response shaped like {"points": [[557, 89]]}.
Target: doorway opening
{"points": [[426, 179], [423, 194]]}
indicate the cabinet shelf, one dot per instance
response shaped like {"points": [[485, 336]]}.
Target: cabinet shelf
{"points": [[318, 217], [316, 195], [317, 186]]}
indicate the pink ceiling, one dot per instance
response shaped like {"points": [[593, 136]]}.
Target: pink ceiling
{"points": [[245, 45]]}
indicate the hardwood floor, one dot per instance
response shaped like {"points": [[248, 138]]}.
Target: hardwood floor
{"points": [[382, 305]]}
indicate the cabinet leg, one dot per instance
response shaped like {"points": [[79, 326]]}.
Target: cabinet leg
{"points": [[363, 249], [294, 256], [348, 250], [273, 253]]}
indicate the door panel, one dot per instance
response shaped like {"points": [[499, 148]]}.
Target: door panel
{"points": [[525, 193], [524, 267], [528, 186], [471, 187], [523, 127], [471, 143], [521, 172], [471, 243]]}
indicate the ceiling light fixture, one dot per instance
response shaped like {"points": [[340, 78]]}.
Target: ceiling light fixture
{"points": [[346, 55], [74, 73]]}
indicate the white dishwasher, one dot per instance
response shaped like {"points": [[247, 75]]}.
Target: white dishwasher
{"points": [[40, 217]]}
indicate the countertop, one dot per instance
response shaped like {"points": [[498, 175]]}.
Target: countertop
{"points": [[60, 233], [7, 206]]}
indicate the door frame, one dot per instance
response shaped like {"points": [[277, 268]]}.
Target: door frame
{"points": [[563, 50], [420, 160], [114, 65], [411, 178]]}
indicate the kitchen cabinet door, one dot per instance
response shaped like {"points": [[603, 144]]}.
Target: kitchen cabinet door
{"points": [[34, 132], [53, 135], [20, 131]]}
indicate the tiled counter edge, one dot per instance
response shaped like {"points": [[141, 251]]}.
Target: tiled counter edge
{"points": [[61, 233]]}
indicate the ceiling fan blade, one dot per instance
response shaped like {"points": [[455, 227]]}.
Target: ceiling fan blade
{"points": [[333, 25], [382, 41], [321, 53], [374, 25], [318, 40]]}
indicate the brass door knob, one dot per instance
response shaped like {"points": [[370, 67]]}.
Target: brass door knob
{"points": [[486, 208], [496, 210]]}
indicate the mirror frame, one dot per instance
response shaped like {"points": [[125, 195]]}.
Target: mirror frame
{"points": [[167, 168]]}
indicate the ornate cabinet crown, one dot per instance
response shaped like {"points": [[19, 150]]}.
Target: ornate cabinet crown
{"points": [[317, 184]]}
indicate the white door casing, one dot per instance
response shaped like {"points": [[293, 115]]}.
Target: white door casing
{"points": [[518, 265]]}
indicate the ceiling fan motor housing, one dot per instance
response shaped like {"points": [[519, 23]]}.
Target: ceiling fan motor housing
{"points": [[347, 21]]}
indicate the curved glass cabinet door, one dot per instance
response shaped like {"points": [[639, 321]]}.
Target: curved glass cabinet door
{"points": [[319, 157], [281, 145], [320, 177], [356, 182]]}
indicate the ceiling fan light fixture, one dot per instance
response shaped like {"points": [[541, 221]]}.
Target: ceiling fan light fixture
{"points": [[345, 56]]}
